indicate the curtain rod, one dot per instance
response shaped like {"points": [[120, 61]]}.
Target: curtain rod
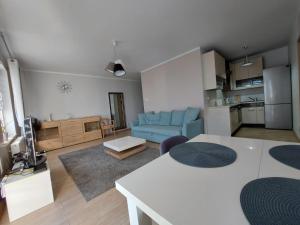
{"points": [[5, 44]]}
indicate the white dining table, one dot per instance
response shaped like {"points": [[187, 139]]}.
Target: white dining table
{"points": [[167, 192]]}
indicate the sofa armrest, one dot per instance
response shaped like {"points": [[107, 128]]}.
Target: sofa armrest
{"points": [[194, 128], [134, 123]]}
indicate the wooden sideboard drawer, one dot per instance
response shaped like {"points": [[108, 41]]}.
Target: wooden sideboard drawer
{"points": [[68, 123], [72, 128], [73, 139], [50, 144], [91, 119], [93, 135], [50, 124]]}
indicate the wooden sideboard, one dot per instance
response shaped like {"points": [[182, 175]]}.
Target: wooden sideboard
{"points": [[62, 133]]}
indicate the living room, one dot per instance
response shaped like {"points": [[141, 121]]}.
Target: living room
{"points": [[110, 110]]}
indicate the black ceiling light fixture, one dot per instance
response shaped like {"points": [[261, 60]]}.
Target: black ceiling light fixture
{"points": [[116, 67]]}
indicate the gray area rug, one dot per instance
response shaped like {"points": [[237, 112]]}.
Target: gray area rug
{"points": [[95, 172]]}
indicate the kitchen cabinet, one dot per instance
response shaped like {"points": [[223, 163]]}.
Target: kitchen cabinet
{"points": [[222, 120], [253, 115], [247, 72], [234, 119], [256, 69], [260, 115], [241, 74], [249, 115], [214, 69]]}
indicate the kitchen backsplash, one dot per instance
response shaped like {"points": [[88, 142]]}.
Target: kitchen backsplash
{"points": [[250, 91], [234, 96], [247, 98]]}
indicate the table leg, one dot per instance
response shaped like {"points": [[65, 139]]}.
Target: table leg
{"points": [[137, 216]]}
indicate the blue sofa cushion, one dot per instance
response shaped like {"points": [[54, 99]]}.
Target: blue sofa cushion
{"points": [[177, 117], [165, 118], [153, 119], [142, 119], [191, 114], [158, 129]]}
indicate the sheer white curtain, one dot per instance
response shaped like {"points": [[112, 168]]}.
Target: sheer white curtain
{"points": [[14, 72], [7, 115]]}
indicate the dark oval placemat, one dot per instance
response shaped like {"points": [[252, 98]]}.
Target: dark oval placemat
{"points": [[272, 201], [287, 154], [202, 154]]}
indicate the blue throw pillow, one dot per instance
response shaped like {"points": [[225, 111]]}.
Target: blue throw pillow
{"points": [[142, 119], [191, 114], [177, 118], [153, 119], [165, 118]]}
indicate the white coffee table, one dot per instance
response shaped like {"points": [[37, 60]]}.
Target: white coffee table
{"points": [[124, 147]]}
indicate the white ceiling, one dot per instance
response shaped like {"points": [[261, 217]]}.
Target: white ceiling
{"points": [[75, 35]]}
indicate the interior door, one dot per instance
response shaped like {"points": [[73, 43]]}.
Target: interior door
{"points": [[117, 109]]}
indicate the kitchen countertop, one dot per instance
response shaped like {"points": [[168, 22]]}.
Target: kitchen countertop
{"points": [[235, 104]]}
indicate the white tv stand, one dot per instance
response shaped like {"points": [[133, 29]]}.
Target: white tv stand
{"points": [[27, 193]]}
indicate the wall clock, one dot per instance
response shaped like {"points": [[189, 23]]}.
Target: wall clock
{"points": [[64, 86]]}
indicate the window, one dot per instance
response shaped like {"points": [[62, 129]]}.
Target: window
{"points": [[6, 110]]}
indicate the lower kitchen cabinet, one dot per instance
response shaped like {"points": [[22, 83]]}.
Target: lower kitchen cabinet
{"points": [[253, 115], [260, 115], [223, 120], [249, 115], [234, 119]]}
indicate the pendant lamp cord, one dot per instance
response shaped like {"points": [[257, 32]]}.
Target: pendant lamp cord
{"points": [[115, 50]]}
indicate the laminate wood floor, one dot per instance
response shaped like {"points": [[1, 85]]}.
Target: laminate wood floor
{"points": [[70, 208], [110, 208], [267, 134]]}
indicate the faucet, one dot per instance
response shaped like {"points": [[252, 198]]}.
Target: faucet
{"points": [[252, 99]]}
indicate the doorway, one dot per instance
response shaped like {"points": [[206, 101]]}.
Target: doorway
{"points": [[117, 109]]}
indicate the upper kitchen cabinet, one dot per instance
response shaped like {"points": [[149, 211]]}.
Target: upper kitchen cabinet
{"points": [[247, 72], [214, 70], [247, 76], [256, 69]]}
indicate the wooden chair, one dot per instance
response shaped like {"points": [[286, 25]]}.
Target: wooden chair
{"points": [[107, 124]]}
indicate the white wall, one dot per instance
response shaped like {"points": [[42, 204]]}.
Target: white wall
{"points": [[295, 67], [175, 84], [89, 95], [276, 57]]}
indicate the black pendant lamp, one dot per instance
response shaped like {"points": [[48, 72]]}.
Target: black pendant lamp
{"points": [[119, 70], [116, 67]]}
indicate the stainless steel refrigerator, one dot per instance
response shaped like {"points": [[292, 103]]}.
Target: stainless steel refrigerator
{"points": [[278, 98]]}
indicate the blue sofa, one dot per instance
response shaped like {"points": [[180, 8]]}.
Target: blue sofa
{"points": [[157, 127]]}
